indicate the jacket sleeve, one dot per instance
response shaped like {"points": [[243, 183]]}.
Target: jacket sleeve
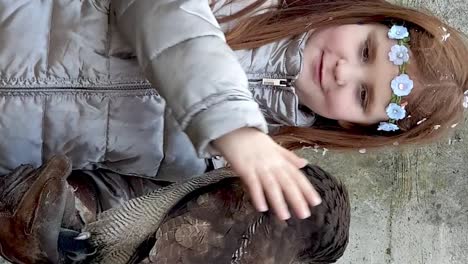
{"points": [[183, 53]]}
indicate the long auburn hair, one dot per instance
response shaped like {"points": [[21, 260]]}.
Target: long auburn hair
{"points": [[436, 65]]}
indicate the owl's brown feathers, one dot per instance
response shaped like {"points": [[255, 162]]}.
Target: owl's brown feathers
{"points": [[218, 224], [33, 205]]}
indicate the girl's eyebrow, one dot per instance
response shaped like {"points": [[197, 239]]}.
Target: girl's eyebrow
{"points": [[372, 40], [373, 47]]}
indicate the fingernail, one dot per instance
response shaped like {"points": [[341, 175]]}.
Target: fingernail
{"points": [[305, 214], [317, 201], [286, 216], [262, 208]]}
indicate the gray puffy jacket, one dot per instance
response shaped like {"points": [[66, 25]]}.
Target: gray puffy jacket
{"points": [[139, 87]]}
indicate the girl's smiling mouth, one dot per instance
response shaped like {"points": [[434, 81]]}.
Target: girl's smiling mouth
{"points": [[318, 70]]}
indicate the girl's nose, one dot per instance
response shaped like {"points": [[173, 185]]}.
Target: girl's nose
{"points": [[344, 72], [341, 75]]}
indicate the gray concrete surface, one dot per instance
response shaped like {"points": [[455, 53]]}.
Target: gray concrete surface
{"points": [[409, 207]]}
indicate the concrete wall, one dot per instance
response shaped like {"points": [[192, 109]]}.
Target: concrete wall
{"points": [[408, 207]]}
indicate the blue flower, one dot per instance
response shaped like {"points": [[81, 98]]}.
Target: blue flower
{"points": [[402, 85], [387, 127], [399, 54], [398, 32], [395, 111]]}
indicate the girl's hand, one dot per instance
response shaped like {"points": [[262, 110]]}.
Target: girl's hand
{"points": [[268, 169]]}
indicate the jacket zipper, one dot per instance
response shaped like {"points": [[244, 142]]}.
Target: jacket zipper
{"points": [[107, 88], [278, 82]]}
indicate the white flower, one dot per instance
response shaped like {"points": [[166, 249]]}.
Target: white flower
{"points": [[436, 127], [402, 85], [398, 32], [454, 125], [387, 127], [399, 54], [362, 151], [395, 111], [465, 101]]}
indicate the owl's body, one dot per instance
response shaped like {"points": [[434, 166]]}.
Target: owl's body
{"points": [[216, 223]]}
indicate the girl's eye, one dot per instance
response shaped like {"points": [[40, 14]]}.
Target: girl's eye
{"points": [[363, 96], [365, 52]]}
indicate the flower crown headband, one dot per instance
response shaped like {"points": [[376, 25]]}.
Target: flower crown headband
{"points": [[402, 84]]}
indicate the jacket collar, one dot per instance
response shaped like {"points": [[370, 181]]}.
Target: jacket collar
{"points": [[272, 70]]}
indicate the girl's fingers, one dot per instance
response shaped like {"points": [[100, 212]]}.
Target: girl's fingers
{"points": [[297, 161], [293, 193], [275, 196], [255, 189], [308, 190]]}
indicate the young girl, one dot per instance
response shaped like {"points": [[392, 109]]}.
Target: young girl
{"points": [[352, 76], [73, 77]]}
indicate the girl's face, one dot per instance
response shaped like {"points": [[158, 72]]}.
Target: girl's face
{"points": [[346, 73]]}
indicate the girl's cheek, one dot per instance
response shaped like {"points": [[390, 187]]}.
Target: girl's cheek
{"points": [[331, 107], [338, 106]]}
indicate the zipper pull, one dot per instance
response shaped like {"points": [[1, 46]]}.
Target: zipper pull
{"points": [[277, 82]]}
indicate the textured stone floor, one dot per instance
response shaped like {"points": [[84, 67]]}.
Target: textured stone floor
{"points": [[408, 207]]}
